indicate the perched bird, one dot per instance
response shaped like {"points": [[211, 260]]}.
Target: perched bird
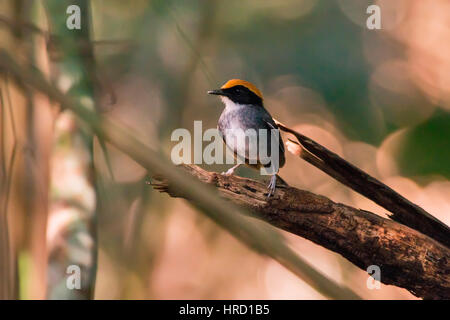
{"points": [[244, 110]]}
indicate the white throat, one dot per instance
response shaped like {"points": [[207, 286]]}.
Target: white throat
{"points": [[229, 104]]}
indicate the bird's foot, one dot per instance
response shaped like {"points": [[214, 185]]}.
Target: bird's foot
{"points": [[272, 185]]}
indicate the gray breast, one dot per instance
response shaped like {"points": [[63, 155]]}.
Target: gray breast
{"points": [[239, 129]]}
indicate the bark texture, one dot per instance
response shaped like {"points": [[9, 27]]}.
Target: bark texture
{"points": [[407, 258]]}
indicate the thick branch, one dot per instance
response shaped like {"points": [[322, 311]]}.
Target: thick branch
{"points": [[406, 257], [403, 210]]}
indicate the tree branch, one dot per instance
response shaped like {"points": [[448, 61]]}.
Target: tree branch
{"points": [[403, 210], [406, 257]]}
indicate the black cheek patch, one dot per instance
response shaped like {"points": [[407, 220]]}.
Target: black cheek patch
{"points": [[243, 96]]}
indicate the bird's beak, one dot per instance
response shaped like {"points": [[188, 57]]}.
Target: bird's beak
{"points": [[218, 92]]}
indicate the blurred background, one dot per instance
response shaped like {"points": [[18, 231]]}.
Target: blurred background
{"points": [[378, 98]]}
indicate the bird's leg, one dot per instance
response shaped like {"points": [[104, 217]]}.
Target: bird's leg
{"points": [[231, 170], [272, 185]]}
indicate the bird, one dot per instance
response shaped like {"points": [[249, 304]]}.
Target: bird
{"points": [[244, 109]]}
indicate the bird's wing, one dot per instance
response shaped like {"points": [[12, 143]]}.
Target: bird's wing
{"points": [[272, 125]]}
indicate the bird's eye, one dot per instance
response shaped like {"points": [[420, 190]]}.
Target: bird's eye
{"points": [[238, 90]]}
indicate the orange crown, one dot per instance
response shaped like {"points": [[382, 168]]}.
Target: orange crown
{"points": [[237, 82]]}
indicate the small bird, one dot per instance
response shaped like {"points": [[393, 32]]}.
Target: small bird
{"points": [[244, 110]]}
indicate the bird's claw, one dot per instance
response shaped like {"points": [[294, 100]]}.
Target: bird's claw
{"points": [[272, 186]]}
